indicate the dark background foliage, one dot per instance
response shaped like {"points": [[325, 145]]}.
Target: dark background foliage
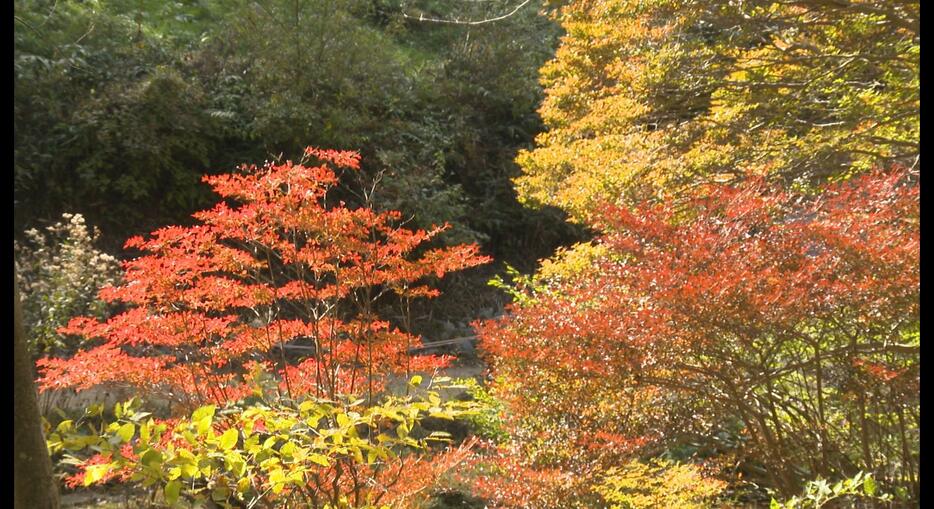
{"points": [[121, 107]]}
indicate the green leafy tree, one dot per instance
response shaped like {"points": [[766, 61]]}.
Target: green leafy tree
{"points": [[106, 123]]}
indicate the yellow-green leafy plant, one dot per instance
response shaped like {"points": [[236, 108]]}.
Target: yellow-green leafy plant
{"points": [[819, 493], [318, 453], [658, 483]]}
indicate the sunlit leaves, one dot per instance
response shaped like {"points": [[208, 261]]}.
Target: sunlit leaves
{"points": [[276, 263], [795, 314], [286, 454], [646, 99]]}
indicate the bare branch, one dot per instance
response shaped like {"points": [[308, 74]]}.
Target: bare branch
{"points": [[421, 17]]}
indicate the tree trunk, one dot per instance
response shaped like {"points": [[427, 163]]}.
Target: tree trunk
{"points": [[33, 485]]}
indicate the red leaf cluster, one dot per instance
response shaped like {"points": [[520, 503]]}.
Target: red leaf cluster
{"points": [[275, 262], [707, 310]]}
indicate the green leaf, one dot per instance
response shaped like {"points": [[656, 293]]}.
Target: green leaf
{"points": [[403, 430], [229, 439], [203, 425], [151, 458], [416, 380], [190, 471], [235, 463], [126, 431], [205, 411], [207, 469], [319, 459], [277, 480], [172, 490], [144, 432], [244, 484], [220, 494], [342, 420], [357, 454], [94, 473], [138, 416], [287, 449], [869, 486]]}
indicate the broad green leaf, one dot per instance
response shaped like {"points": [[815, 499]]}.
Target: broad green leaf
{"points": [[205, 411], [144, 431], [220, 493], [206, 470], [869, 486], [277, 480], [172, 490], [319, 459], [312, 421], [235, 463], [126, 431], [244, 485], [228, 440], [357, 454], [403, 430], [342, 420], [287, 449], [94, 473], [189, 470], [203, 425], [151, 458]]}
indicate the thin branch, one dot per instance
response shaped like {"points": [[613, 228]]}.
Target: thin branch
{"points": [[421, 17]]}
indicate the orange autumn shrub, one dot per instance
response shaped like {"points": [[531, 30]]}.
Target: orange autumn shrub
{"points": [[278, 260]]}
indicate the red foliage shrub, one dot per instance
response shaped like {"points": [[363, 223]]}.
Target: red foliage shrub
{"points": [[276, 261], [792, 317]]}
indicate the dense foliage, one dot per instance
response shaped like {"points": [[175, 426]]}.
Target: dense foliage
{"points": [[121, 107], [644, 99], [752, 322], [738, 323], [209, 310], [208, 302], [318, 454]]}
